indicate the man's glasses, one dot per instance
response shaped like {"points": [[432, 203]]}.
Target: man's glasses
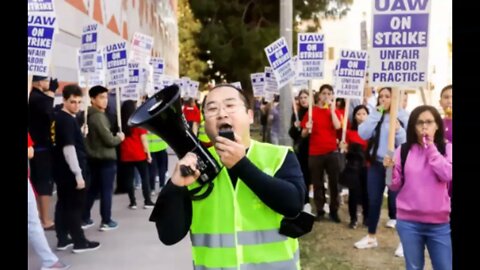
{"points": [[230, 107]]}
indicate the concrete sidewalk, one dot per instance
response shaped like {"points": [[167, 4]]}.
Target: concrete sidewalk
{"points": [[133, 246]]}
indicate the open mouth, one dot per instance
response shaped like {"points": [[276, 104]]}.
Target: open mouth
{"points": [[225, 127]]}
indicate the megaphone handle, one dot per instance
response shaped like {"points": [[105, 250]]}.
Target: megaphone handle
{"points": [[186, 171]]}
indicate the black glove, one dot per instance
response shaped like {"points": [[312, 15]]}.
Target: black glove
{"points": [[53, 85], [296, 227]]}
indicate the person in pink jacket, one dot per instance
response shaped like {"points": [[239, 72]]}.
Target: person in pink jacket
{"points": [[423, 203]]}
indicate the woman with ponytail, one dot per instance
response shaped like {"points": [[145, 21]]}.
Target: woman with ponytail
{"points": [[375, 129]]}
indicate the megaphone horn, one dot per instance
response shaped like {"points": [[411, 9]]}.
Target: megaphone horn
{"points": [[162, 115]]}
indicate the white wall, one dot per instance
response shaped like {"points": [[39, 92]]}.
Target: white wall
{"points": [[71, 21]]}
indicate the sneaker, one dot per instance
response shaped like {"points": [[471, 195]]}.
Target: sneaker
{"points": [[57, 266], [391, 223], [88, 224], [132, 206], [64, 245], [307, 208], [353, 225], [112, 225], [366, 242], [334, 217], [399, 251], [88, 246], [148, 205]]}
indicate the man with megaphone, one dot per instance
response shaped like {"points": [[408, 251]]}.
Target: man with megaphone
{"points": [[253, 214]]}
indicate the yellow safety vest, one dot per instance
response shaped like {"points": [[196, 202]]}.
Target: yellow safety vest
{"points": [[202, 136], [232, 229], [155, 143]]}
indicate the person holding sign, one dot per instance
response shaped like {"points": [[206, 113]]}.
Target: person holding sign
{"points": [[69, 173], [354, 176], [100, 144], [40, 117], [422, 170], [322, 150], [300, 144], [375, 130], [134, 154], [238, 225]]}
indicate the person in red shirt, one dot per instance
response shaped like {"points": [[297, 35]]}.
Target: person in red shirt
{"points": [[192, 114], [323, 155], [134, 154], [354, 176]]}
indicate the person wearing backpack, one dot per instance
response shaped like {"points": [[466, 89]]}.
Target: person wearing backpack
{"points": [[422, 170], [375, 129]]}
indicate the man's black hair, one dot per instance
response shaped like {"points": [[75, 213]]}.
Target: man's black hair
{"points": [[96, 90], [243, 95]]}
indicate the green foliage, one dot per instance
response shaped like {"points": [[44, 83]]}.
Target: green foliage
{"points": [[188, 28], [235, 33]]}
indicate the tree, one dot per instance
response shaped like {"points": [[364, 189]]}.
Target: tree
{"points": [[235, 32], [188, 28]]}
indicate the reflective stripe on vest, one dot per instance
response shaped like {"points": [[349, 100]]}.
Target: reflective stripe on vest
{"points": [[260, 237], [282, 265], [233, 229], [244, 238], [213, 240]]}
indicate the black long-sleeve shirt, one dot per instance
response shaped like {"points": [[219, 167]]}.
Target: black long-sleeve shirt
{"points": [[283, 193], [40, 117]]}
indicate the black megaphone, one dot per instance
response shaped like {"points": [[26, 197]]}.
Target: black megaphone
{"points": [[162, 115]]}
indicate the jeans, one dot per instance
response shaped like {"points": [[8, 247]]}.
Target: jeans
{"points": [[102, 174], [36, 234], [159, 166], [415, 236], [375, 188]]}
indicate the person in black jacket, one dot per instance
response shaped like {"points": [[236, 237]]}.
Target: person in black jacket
{"points": [[40, 117], [300, 145], [283, 191]]}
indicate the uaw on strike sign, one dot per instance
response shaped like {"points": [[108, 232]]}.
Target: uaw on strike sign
{"points": [[41, 27], [88, 49], [280, 61], [399, 54], [310, 56], [350, 74], [116, 63]]}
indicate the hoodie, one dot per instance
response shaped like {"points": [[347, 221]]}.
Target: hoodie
{"points": [[423, 195]]}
